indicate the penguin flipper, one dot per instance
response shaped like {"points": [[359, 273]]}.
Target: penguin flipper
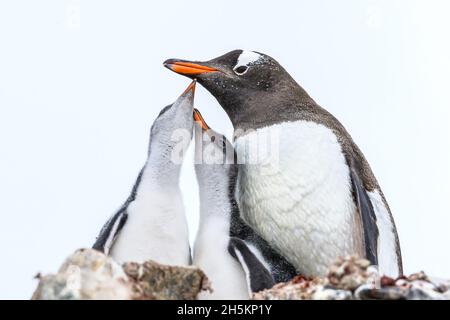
{"points": [[112, 227], [258, 277], [367, 214], [110, 231]]}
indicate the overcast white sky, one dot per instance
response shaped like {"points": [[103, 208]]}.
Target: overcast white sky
{"points": [[82, 81]]}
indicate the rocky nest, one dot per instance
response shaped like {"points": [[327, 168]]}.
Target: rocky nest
{"points": [[353, 278], [89, 274]]}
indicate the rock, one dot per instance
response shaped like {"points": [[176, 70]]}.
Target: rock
{"points": [[89, 274], [353, 278], [351, 272], [343, 277], [324, 293], [86, 274], [301, 288], [417, 286], [153, 281]]}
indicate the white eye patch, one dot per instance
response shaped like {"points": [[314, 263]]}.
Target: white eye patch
{"points": [[246, 59]]}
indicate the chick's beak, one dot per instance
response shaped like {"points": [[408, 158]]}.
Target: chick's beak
{"points": [[187, 68], [199, 119], [190, 88]]}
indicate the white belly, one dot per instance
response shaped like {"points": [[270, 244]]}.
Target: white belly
{"points": [[156, 229], [299, 199], [211, 254]]}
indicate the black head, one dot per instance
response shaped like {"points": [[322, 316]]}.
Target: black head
{"points": [[250, 86]]}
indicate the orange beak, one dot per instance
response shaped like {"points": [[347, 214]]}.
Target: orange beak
{"points": [[199, 119], [191, 87], [187, 68]]}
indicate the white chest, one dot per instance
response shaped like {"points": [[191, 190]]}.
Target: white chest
{"points": [[156, 229], [211, 255], [294, 189]]}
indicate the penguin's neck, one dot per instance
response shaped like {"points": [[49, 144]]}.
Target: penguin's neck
{"points": [[262, 109], [214, 198], [160, 171], [214, 204]]}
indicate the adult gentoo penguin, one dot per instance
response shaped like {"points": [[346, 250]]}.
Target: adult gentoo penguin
{"points": [[152, 224], [235, 259], [318, 198]]}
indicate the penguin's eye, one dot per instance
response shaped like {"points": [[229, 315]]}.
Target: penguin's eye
{"points": [[240, 70]]}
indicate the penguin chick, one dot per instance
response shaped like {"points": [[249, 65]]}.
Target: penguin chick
{"points": [[225, 247], [151, 224]]}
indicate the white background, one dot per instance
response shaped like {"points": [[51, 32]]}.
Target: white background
{"points": [[82, 81]]}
